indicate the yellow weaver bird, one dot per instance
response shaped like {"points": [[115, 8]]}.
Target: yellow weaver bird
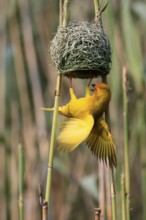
{"points": [[85, 122]]}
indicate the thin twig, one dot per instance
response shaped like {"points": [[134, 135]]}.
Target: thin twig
{"points": [[102, 187], [123, 197], [113, 195], [108, 193], [21, 180], [126, 140]]}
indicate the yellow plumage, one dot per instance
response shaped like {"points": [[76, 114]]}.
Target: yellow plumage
{"points": [[100, 142], [73, 132], [85, 123]]}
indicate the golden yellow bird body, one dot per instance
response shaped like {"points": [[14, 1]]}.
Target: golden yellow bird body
{"points": [[85, 122], [94, 104]]}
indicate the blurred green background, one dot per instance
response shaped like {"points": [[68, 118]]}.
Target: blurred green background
{"points": [[27, 82]]}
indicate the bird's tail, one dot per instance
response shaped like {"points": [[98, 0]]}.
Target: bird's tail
{"points": [[73, 132]]}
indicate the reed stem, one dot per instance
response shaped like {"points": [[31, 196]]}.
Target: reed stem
{"points": [[97, 213], [43, 204], [96, 7], [52, 141], [113, 193], [60, 12], [21, 180], [65, 13], [123, 194], [63, 22], [126, 140]]}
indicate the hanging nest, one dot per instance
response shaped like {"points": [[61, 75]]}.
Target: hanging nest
{"points": [[81, 50]]}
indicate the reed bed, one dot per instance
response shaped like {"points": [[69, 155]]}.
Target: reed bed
{"points": [[27, 82]]}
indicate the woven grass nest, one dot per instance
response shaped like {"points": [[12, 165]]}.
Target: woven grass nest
{"points": [[81, 50]]}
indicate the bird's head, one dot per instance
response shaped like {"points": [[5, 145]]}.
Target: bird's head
{"points": [[101, 88]]}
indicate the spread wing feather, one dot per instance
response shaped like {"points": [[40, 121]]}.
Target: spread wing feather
{"points": [[101, 144], [73, 132]]}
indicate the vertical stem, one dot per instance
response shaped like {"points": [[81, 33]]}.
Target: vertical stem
{"points": [[60, 12], [98, 18], [52, 141], [7, 183], [108, 193], [113, 193], [126, 139], [96, 7], [43, 204], [97, 213], [144, 190], [102, 188], [65, 14], [56, 104], [21, 183], [143, 151], [44, 211], [123, 197]]}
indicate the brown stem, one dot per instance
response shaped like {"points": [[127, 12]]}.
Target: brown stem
{"points": [[97, 213], [43, 204]]}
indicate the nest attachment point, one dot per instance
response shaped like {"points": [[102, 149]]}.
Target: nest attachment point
{"points": [[81, 50]]}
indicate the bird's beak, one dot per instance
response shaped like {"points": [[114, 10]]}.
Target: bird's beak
{"points": [[93, 85]]}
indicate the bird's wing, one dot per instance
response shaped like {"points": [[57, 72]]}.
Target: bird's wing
{"points": [[73, 132], [101, 144]]}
